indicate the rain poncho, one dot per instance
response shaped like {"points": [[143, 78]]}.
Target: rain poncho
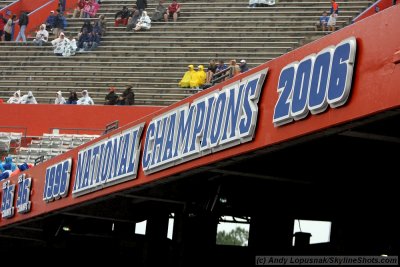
{"points": [[42, 34], [28, 99], [262, 2], [198, 78], [185, 82], [85, 99], [144, 22], [63, 46], [59, 99], [15, 99]]}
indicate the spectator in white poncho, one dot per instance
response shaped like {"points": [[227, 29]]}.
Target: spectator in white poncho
{"points": [[15, 99], [85, 99], [42, 36], [63, 46], [28, 99], [143, 23], [261, 3], [59, 98]]}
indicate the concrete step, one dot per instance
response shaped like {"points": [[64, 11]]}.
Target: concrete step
{"points": [[123, 60], [51, 89], [127, 65], [195, 48]]}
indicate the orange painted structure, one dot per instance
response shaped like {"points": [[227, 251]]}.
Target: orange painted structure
{"points": [[266, 175]]}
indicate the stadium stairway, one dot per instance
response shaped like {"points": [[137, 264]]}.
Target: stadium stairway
{"points": [[4, 3], [154, 61]]}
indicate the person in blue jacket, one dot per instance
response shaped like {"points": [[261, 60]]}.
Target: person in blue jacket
{"points": [[9, 164]]}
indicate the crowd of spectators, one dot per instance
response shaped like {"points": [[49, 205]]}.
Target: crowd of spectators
{"points": [[112, 98], [86, 8], [72, 99], [25, 99], [138, 19], [201, 78], [88, 39]]}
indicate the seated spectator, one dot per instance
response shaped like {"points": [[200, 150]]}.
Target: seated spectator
{"points": [[261, 3], [83, 41], [132, 21], [220, 67], [120, 100], [234, 68], [28, 98], [86, 28], [198, 78], [253, 3], [143, 23], [90, 9], [128, 96], [111, 98], [173, 11], [323, 21], [100, 26], [159, 12], [243, 66], [121, 17], [212, 67], [63, 46], [59, 98], [79, 9], [85, 99], [94, 41], [332, 22], [187, 77], [42, 36], [51, 19], [72, 99], [15, 99], [88, 41]]}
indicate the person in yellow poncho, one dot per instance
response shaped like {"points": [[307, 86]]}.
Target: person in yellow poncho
{"points": [[185, 82], [199, 78]]}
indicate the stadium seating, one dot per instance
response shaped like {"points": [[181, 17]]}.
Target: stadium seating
{"points": [[9, 141], [49, 146], [154, 61]]}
